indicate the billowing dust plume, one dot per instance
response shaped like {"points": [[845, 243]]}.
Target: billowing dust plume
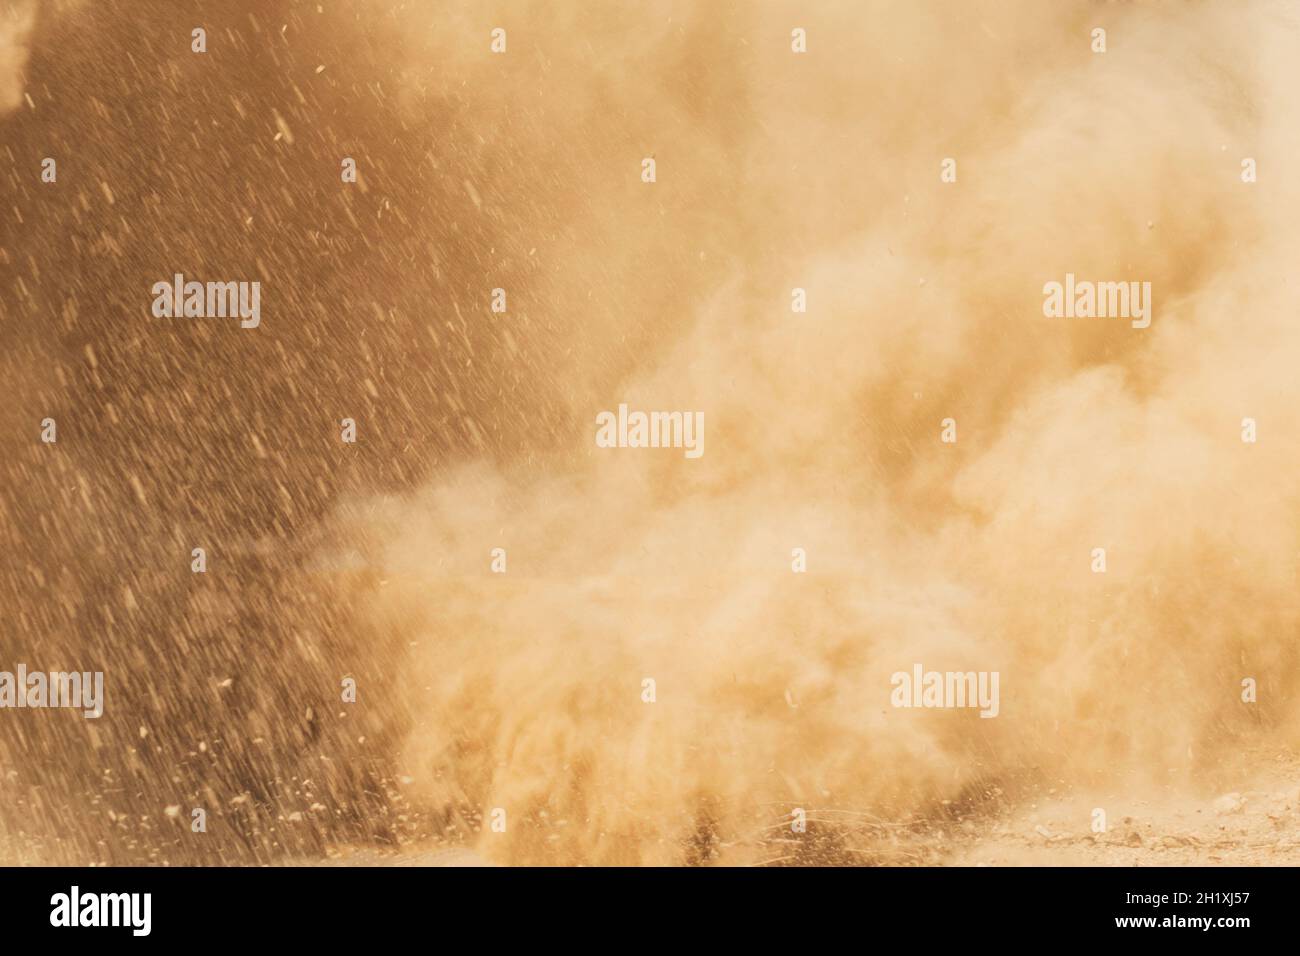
{"points": [[823, 433], [775, 171]]}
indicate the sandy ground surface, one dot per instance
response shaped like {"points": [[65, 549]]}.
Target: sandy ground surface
{"points": [[1250, 827], [1257, 825]]}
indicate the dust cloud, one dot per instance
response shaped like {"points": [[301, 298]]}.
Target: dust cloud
{"points": [[524, 690]]}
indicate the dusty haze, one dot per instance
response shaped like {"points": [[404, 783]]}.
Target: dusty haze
{"points": [[476, 430]]}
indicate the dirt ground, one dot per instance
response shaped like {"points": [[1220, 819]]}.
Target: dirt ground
{"points": [[1256, 825]]}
